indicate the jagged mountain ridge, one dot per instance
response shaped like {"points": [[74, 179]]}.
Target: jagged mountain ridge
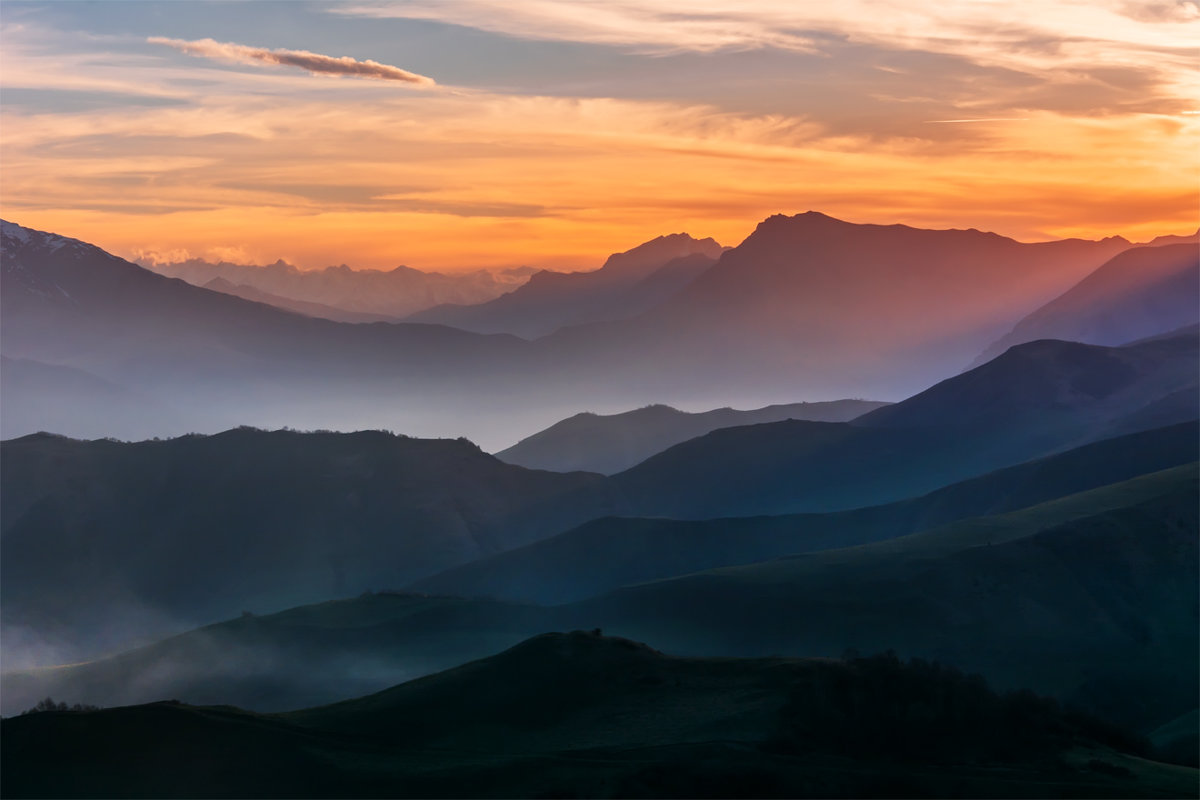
{"points": [[629, 283], [385, 294]]}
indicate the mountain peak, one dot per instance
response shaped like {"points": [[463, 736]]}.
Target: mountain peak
{"points": [[15, 235], [219, 284], [809, 221], [651, 255]]}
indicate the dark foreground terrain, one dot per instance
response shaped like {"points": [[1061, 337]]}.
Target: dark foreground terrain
{"points": [[584, 715]]}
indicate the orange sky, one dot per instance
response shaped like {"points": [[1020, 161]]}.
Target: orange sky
{"points": [[222, 154]]}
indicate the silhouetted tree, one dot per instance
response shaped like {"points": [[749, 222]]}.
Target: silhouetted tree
{"points": [[48, 704]]}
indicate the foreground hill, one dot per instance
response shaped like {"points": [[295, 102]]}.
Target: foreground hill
{"points": [[1139, 293], [584, 715], [628, 284], [1035, 399], [615, 442], [1092, 597], [605, 554], [309, 655], [168, 534]]}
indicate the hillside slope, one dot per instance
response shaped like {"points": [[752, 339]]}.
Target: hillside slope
{"points": [[628, 284], [164, 535], [1092, 597], [1035, 399], [610, 443], [1089, 597], [605, 554], [584, 715], [1139, 293]]}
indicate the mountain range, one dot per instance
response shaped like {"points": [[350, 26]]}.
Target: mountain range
{"points": [[628, 284], [806, 307], [1035, 399], [382, 294], [607, 553], [198, 528], [305, 307], [317, 515], [289, 613]]}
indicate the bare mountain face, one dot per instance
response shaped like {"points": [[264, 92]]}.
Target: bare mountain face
{"points": [[628, 284], [387, 294], [1139, 293]]}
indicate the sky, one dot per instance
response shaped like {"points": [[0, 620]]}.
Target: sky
{"points": [[458, 134]]}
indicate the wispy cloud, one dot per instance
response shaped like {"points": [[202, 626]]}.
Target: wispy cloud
{"points": [[315, 63], [259, 157], [1037, 36]]}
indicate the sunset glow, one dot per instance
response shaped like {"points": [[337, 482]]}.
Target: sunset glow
{"points": [[552, 134]]}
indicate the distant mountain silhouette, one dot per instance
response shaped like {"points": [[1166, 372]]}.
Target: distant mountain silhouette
{"points": [[1139, 293], [1191, 238], [760, 325], [299, 306], [67, 300], [810, 303], [382, 294], [610, 443], [214, 358], [605, 554], [166, 535], [580, 714], [628, 284]]}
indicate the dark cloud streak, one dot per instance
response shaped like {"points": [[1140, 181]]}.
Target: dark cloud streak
{"points": [[314, 63]]}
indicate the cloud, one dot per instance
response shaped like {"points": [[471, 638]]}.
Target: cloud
{"points": [[315, 63], [1162, 11], [1040, 37], [983, 119]]}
